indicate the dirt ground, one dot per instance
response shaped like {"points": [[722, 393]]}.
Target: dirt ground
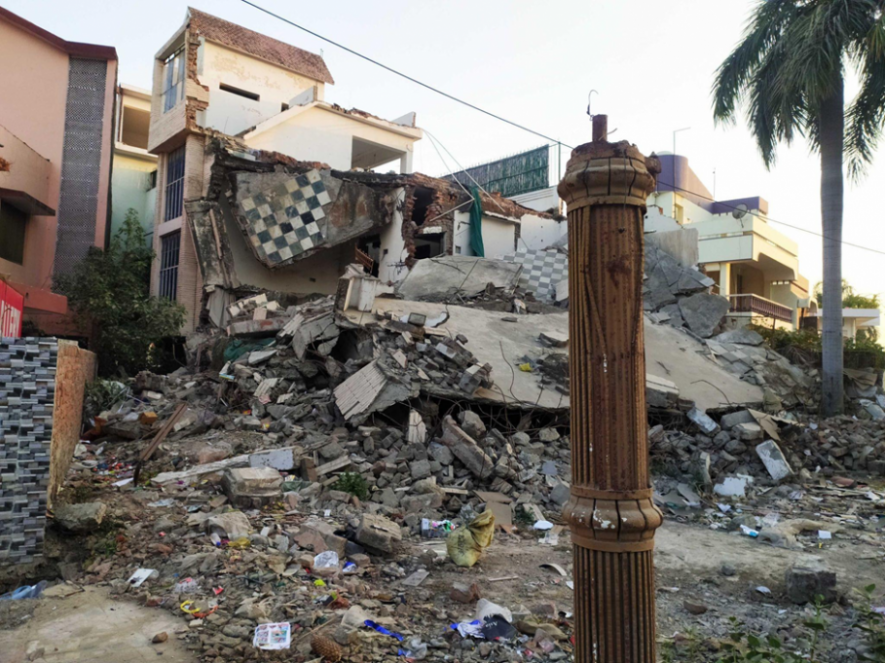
{"points": [[92, 626]]}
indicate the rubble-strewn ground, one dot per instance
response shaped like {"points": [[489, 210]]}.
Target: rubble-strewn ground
{"points": [[366, 435]]}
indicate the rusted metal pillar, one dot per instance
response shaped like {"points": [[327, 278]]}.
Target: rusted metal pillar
{"points": [[611, 512]]}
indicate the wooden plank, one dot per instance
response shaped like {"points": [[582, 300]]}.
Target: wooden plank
{"points": [[331, 466], [158, 439]]}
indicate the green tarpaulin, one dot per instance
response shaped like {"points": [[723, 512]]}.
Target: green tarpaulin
{"points": [[476, 225]]}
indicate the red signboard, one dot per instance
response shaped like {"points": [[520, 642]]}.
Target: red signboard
{"points": [[12, 306]]}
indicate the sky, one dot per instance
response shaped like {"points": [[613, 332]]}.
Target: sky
{"points": [[652, 64]]}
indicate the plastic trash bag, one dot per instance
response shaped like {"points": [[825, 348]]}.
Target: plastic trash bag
{"points": [[326, 560], [466, 544], [25, 592]]}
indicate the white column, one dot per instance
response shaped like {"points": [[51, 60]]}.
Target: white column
{"points": [[405, 162], [724, 279]]}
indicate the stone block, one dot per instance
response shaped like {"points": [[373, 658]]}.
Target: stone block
{"points": [[809, 578], [378, 533]]}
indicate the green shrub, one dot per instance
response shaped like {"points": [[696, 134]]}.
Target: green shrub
{"points": [[108, 291], [102, 395], [352, 483]]}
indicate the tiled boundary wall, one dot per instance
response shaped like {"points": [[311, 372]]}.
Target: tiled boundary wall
{"points": [[42, 381]]}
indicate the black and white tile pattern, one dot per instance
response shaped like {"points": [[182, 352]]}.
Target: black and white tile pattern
{"points": [[287, 219]]}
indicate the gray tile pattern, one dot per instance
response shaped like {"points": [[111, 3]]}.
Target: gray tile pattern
{"points": [[27, 398], [541, 270]]}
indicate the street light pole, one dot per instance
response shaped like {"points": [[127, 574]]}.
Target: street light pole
{"points": [[673, 175], [611, 513]]}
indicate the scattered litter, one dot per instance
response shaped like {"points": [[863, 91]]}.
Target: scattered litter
{"points": [[140, 575], [25, 592], [326, 560], [187, 586], [762, 589], [383, 630], [556, 567], [543, 525], [465, 545], [824, 535], [416, 578], [272, 637]]}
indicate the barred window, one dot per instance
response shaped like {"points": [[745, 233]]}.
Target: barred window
{"points": [[174, 80], [170, 246], [174, 184]]}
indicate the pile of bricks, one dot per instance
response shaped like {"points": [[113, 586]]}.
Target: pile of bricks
{"points": [[27, 397]]}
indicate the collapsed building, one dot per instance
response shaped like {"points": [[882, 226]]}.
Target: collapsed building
{"points": [[253, 160], [269, 222]]}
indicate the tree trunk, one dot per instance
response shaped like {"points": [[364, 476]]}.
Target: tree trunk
{"points": [[832, 125]]}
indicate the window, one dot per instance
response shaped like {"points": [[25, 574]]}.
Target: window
{"points": [[12, 233], [135, 126], [170, 246], [173, 75], [239, 92], [152, 180], [174, 184]]}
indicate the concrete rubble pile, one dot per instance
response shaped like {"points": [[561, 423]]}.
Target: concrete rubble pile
{"points": [[304, 481], [749, 450], [681, 297]]}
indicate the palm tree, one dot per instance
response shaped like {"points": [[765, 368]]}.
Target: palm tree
{"points": [[788, 72]]}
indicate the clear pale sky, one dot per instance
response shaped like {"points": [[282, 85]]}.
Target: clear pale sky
{"points": [[651, 62]]}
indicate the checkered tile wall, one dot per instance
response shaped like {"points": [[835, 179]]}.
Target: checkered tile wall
{"points": [[541, 270], [287, 219]]}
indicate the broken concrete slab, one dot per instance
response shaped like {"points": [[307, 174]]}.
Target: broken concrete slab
{"points": [[81, 518], [283, 459], [553, 340], [774, 460], [660, 392], [311, 328], [732, 419], [742, 336], [368, 390], [195, 472], [417, 431], [378, 533], [733, 486], [471, 423], [703, 421], [435, 279], [466, 449], [318, 537], [230, 525], [703, 312], [670, 353], [252, 487], [809, 578]]}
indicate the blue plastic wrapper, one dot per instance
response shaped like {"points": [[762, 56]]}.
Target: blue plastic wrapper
{"points": [[383, 630]]}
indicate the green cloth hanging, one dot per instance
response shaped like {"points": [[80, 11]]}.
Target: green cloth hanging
{"points": [[476, 225]]}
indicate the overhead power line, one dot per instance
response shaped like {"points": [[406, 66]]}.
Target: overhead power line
{"points": [[522, 126], [399, 73]]}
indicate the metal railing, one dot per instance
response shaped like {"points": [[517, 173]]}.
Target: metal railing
{"points": [[760, 305]]}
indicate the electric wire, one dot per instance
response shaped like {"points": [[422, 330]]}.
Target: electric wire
{"points": [[528, 129]]}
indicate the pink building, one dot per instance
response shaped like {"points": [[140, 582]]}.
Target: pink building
{"points": [[56, 142]]}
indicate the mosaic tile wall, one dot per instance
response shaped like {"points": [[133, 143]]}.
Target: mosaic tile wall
{"points": [[287, 219], [27, 397]]}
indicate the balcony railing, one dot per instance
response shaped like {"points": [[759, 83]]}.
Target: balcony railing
{"points": [[760, 306]]}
